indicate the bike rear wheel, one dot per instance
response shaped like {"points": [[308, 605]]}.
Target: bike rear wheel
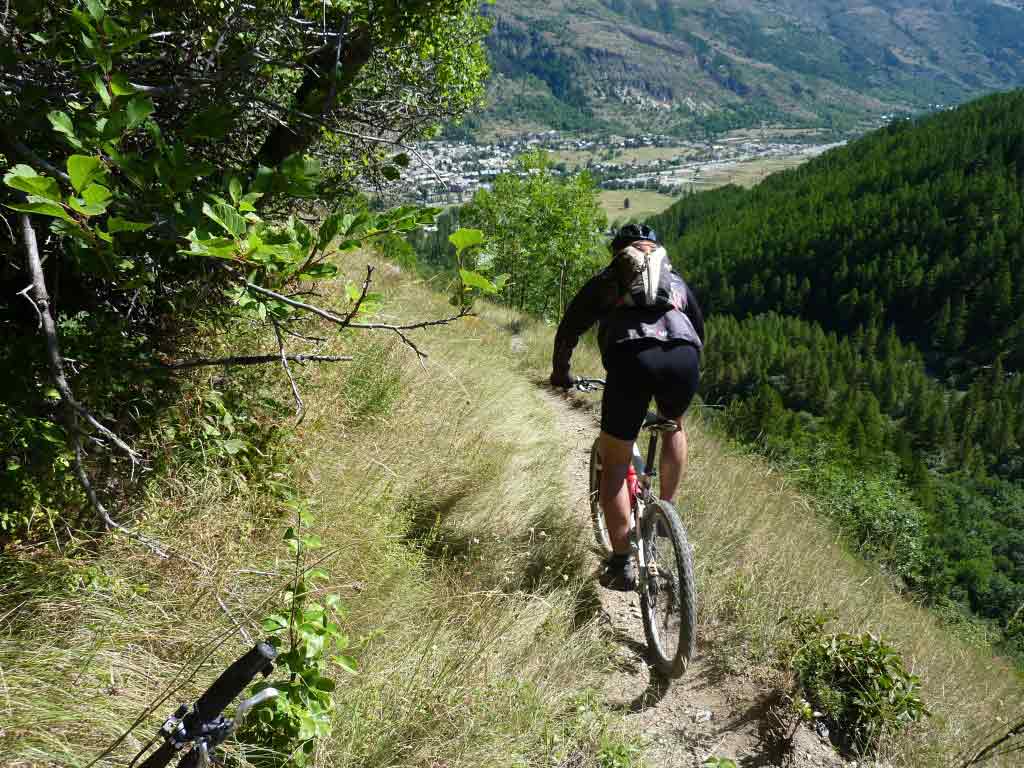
{"points": [[601, 537], [668, 602]]}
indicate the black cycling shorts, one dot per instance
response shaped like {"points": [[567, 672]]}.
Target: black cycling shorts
{"points": [[639, 370]]}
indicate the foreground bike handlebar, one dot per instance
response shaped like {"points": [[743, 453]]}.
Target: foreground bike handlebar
{"points": [[204, 726]]}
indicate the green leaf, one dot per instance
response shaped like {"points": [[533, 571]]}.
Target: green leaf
{"points": [[401, 160], [235, 189], [391, 173], [246, 203], [96, 9], [25, 178], [120, 86], [96, 194], [40, 206], [84, 208], [322, 271], [347, 663], [139, 109], [129, 41], [117, 224], [61, 123], [232, 222], [274, 623], [476, 280], [234, 446], [83, 169], [328, 231], [100, 87], [465, 238]]}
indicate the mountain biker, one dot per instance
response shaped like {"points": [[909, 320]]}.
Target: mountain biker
{"points": [[649, 349]]}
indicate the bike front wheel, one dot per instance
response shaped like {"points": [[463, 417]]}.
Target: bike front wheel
{"points": [[668, 594], [601, 537]]}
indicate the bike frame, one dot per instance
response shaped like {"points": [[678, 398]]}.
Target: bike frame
{"points": [[638, 481]]}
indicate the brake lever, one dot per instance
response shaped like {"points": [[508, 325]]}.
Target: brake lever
{"points": [[243, 708]]}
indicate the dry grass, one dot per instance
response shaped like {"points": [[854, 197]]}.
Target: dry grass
{"points": [[445, 532], [464, 579], [762, 554]]}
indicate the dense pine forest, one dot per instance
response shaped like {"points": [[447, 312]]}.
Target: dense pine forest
{"points": [[869, 329]]}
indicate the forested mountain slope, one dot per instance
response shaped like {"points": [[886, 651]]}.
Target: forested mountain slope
{"points": [[703, 64], [919, 225], [869, 330]]}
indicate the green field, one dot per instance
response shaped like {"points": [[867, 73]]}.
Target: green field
{"points": [[642, 203]]}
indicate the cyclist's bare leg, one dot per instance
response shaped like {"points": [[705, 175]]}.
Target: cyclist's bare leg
{"points": [[672, 465], [616, 455]]}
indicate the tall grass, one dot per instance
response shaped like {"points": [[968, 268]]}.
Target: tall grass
{"points": [[762, 555], [446, 532]]}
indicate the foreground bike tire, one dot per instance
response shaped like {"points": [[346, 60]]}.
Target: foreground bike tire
{"points": [[668, 604], [601, 537]]}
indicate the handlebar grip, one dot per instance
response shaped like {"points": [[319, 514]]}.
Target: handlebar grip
{"points": [[231, 682]]}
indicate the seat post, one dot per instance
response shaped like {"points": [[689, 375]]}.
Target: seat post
{"points": [[652, 447]]}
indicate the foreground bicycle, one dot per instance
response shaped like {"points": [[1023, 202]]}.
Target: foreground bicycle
{"points": [[664, 559], [204, 727]]}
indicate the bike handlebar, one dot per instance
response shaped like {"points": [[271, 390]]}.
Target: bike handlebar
{"points": [[231, 682], [206, 713]]}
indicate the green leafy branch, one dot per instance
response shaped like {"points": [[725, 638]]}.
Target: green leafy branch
{"points": [[288, 725], [468, 243]]}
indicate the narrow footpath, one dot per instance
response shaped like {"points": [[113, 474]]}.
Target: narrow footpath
{"points": [[703, 714]]}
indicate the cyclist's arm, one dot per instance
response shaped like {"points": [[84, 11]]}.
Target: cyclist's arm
{"points": [[586, 308]]}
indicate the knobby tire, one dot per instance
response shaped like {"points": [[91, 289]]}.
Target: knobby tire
{"points": [[669, 604], [601, 537]]}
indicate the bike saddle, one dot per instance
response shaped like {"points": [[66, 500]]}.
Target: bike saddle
{"points": [[659, 424]]}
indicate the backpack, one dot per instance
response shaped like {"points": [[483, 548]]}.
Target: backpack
{"points": [[646, 280]]}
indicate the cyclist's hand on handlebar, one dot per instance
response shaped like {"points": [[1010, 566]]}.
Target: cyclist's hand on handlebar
{"points": [[562, 380]]}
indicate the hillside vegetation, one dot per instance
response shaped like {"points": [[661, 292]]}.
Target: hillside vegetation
{"points": [[667, 66], [460, 583], [874, 329], [438, 495]]}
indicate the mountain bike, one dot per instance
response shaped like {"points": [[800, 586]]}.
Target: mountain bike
{"points": [[204, 727], [660, 550]]}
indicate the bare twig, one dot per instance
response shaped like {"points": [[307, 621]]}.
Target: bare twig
{"points": [[344, 323], [200, 362], [9, 230], [72, 409], [35, 306], [366, 287], [303, 337], [300, 408], [238, 624]]}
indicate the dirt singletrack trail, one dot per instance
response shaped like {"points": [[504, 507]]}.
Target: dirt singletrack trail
{"points": [[703, 714]]}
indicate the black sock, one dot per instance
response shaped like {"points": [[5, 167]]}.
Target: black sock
{"points": [[618, 559]]}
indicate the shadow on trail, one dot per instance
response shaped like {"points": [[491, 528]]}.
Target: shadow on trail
{"points": [[657, 686]]}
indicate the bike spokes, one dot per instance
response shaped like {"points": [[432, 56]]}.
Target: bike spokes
{"points": [[668, 595]]}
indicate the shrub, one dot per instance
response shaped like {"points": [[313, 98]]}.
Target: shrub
{"points": [[858, 682]]}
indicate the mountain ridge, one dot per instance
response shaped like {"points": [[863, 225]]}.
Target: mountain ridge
{"points": [[601, 64]]}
